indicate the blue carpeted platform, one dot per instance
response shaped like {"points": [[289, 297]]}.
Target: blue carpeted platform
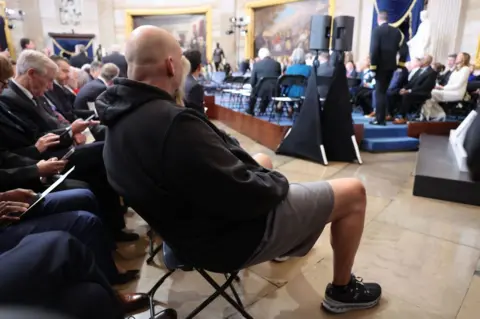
{"points": [[389, 138]]}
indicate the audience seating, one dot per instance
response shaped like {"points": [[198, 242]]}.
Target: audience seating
{"points": [[284, 85], [264, 85], [173, 263]]}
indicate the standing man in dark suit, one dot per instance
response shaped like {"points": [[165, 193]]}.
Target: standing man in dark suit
{"points": [[324, 69], [90, 91], [386, 42], [118, 59], [80, 58], [266, 67], [193, 89], [418, 89]]}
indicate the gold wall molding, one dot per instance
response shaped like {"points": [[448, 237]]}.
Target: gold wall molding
{"points": [[250, 12], [130, 14], [8, 35]]}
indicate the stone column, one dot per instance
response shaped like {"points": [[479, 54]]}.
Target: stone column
{"points": [[106, 24], [444, 16]]}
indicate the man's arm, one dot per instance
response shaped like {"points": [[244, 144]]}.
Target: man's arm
{"points": [[30, 152], [17, 171], [426, 87], [253, 77], [375, 49], [197, 162], [195, 98]]}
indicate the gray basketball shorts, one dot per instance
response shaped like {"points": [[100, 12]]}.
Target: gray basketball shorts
{"points": [[295, 225]]}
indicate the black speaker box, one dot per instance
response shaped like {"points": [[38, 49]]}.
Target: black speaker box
{"points": [[343, 33], [320, 31]]}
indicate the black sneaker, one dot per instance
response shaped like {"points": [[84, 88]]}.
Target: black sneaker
{"points": [[354, 296]]}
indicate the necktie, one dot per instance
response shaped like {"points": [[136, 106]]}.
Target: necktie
{"points": [[50, 109]]}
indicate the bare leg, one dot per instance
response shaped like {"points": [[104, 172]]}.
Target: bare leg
{"points": [[347, 220], [264, 160]]}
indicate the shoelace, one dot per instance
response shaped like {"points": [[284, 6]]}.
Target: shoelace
{"points": [[359, 282]]}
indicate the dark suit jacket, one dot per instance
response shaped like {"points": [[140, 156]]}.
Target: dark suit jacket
{"points": [[37, 120], [15, 135], [399, 80], [80, 60], [385, 43], [267, 67], [194, 94], [62, 101], [422, 84], [88, 93], [17, 172], [119, 60], [443, 78]]}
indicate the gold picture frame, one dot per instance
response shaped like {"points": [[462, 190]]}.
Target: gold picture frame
{"points": [[130, 14], [250, 12], [8, 35], [477, 55]]}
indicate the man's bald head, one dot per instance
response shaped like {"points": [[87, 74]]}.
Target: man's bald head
{"points": [[427, 60], [154, 57]]}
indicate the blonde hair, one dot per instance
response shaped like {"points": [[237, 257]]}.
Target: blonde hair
{"points": [[180, 94], [6, 70]]}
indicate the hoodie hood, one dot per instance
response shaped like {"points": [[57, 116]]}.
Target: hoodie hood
{"points": [[124, 97]]}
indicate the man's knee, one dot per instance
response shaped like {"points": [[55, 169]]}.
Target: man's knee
{"points": [[358, 194], [263, 160]]}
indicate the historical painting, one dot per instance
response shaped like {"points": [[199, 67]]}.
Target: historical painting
{"points": [[283, 27], [70, 12], [189, 29]]}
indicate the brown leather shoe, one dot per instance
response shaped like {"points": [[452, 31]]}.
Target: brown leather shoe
{"points": [[400, 121], [134, 301], [389, 118]]}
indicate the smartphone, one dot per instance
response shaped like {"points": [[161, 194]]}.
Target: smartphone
{"points": [[91, 117], [69, 153], [67, 131]]}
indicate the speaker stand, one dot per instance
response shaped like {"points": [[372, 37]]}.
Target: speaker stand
{"points": [[315, 68]]}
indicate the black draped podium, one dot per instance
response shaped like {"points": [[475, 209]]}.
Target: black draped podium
{"points": [[304, 139], [330, 128]]}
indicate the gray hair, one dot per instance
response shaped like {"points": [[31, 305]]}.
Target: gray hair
{"points": [[109, 72], [263, 53], [80, 48], [38, 61], [82, 78], [298, 56], [95, 66]]}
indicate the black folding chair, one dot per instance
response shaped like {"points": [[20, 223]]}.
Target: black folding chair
{"points": [[173, 263], [285, 84], [265, 88]]}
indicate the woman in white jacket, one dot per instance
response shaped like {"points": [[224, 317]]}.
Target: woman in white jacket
{"points": [[457, 84]]}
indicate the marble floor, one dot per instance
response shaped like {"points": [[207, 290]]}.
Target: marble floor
{"points": [[425, 253]]}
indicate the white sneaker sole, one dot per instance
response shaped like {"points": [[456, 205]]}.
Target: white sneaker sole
{"points": [[280, 259], [341, 307]]}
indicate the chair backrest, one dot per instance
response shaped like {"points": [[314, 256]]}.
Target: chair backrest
{"points": [[238, 81], [267, 85], [286, 82], [218, 77]]}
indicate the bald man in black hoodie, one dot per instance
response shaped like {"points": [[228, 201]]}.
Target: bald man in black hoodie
{"points": [[167, 161]]}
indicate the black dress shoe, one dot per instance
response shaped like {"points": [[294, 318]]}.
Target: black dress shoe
{"points": [[375, 122], [129, 275], [123, 237]]}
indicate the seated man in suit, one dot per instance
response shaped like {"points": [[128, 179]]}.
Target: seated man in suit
{"points": [[55, 271], [91, 90], [266, 67], [118, 59], [73, 211], [95, 70], [418, 89], [61, 98], [257, 215], [398, 82], [80, 58], [193, 89], [449, 68], [29, 116]]}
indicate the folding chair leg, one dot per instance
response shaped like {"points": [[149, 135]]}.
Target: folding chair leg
{"points": [[153, 253], [221, 290], [234, 292], [151, 293], [218, 291]]}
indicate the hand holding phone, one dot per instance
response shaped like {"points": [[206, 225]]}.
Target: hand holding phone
{"points": [[68, 154]]}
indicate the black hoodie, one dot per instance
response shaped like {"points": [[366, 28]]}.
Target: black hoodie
{"points": [[206, 197]]}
